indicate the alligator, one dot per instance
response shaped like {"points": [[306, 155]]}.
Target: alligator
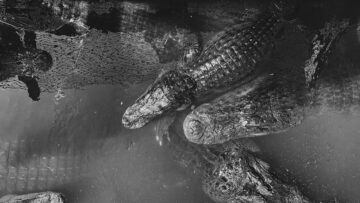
{"points": [[226, 170], [279, 101], [21, 172], [40, 197], [232, 56], [230, 172], [139, 41]]}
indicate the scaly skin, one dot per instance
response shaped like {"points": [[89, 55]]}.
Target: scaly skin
{"points": [[231, 172], [271, 108], [25, 167], [279, 102], [171, 90], [231, 57], [273, 105], [20, 172], [134, 48], [235, 53], [245, 178], [41, 197]]}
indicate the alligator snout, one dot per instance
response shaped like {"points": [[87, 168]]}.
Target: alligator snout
{"points": [[197, 127], [152, 104], [193, 128], [170, 91]]}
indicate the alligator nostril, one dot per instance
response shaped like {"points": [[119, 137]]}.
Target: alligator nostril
{"points": [[193, 128]]}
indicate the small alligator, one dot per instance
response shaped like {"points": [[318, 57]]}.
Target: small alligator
{"points": [[230, 172], [278, 102], [40, 197], [233, 56]]}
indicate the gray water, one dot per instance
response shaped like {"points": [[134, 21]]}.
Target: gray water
{"points": [[125, 166]]}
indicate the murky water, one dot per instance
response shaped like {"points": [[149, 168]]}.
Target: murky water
{"points": [[73, 142], [117, 165]]}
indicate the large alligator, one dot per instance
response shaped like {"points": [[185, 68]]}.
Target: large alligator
{"points": [[280, 101], [232, 56]]}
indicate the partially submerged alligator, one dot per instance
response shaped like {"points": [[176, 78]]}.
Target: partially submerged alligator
{"points": [[133, 48], [230, 172], [40, 197], [278, 102], [233, 56]]}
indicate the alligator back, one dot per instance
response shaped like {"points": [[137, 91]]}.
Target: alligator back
{"points": [[20, 172], [280, 101], [231, 56], [235, 54]]}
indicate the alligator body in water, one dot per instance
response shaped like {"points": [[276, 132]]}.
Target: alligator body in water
{"points": [[230, 172], [226, 170], [41, 197], [233, 56], [137, 41], [278, 102]]}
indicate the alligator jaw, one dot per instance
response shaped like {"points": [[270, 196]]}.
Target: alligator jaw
{"points": [[150, 105], [170, 91]]}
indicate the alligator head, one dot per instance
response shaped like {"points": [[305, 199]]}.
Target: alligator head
{"points": [[271, 107], [171, 90]]}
